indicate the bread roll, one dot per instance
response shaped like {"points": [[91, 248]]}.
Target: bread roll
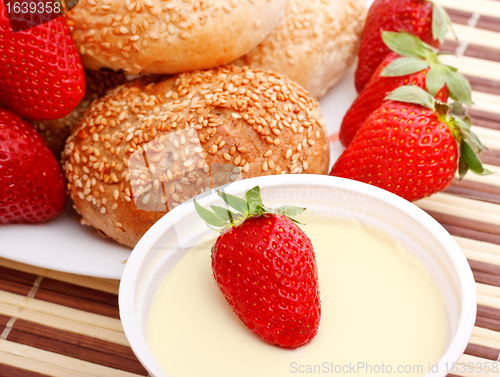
{"points": [[158, 36], [314, 45], [55, 132], [151, 144]]}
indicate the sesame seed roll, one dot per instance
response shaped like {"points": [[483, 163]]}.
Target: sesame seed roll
{"points": [[151, 144], [314, 44], [170, 36]]}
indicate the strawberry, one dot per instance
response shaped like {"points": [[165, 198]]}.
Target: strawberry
{"points": [[411, 145], [424, 19], [412, 61], [265, 267], [41, 75], [32, 185]]}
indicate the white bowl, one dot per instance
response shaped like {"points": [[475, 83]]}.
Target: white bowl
{"points": [[420, 233]]}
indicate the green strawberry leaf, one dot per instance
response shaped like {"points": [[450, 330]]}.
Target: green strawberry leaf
{"points": [[446, 53], [435, 79], [222, 218], [467, 120], [225, 215], [295, 221], [470, 157], [440, 23], [459, 87], [209, 217], [458, 110], [406, 44], [253, 199], [470, 137], [463, 168], [241, 205], [412, 94], [473, 141], [289, 211], [460, 124], [265, 209], [404, 66]]}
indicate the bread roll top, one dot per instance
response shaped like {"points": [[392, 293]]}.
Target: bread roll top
{"points": [[152, 144], [157, 36], [314, 44]]}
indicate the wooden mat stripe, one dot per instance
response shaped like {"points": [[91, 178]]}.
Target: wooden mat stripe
{"points": [[470, 210], [64, 315], [61, 293], [46, 322], [57, 324]]}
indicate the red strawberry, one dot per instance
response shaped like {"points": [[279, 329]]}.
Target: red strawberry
{"points": [[413, 62], [265, 266], [411, 149], [41, 75], [32, 185], [424, 19]]}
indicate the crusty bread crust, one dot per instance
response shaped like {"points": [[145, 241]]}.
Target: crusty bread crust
{"points": [[314, 45], [152, 144], [154, 36]]}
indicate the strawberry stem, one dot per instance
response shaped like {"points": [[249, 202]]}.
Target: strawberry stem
{"points": [[416, 56], [249, 206], [455, 117]]}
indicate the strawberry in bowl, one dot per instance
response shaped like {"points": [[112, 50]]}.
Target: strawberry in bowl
{"points": [[173, 311], [265, 267]]}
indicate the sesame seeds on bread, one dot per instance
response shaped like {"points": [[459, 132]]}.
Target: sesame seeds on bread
{"points": [[151, 144], [314, 44], [166, 37]]}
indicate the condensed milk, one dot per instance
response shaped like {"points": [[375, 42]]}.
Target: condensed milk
{"points": [[382, 312]]}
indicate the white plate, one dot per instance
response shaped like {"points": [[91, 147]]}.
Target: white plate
{"points": [[64, 244]]}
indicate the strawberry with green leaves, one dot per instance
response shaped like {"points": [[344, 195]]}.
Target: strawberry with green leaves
{"points": [[265, 266], [423, 18], [411, 62], [412, 145], [32, 184], [41, 75]]}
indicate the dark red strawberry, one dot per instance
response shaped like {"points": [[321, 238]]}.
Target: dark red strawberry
{"points": [[265, 266], [413, 62], [411, 145], [41, 75], [424, 19], [32, 185]]}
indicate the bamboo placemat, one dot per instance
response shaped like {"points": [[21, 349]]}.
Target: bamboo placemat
{"points": [[62, 325]]}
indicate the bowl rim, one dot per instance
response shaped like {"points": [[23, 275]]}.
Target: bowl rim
{"points": [[461, 266]]}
